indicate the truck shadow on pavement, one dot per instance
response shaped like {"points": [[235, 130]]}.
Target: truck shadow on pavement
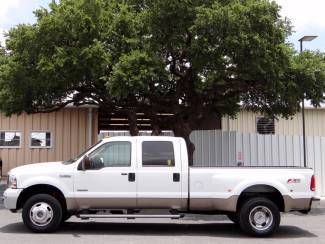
{"points": [[227, 230]]}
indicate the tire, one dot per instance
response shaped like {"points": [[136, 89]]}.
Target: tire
{"points": [[233, 217], [42, 213], [259, 217]]}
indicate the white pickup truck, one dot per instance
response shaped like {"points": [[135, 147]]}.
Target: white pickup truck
{"points": [[122, 177]]}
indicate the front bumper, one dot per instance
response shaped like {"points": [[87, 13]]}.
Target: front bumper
{"points": [[10, 197]]}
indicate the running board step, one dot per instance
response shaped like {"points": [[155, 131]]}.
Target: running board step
{"points": [[130, 216]]}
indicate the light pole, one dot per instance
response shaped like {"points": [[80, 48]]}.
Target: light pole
{"points": [[301, 40]]}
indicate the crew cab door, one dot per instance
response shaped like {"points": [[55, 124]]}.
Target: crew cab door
{"points": [[159, 175], [110, 180]]}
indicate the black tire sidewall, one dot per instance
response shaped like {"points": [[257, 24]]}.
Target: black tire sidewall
{"points": [[244, 216], [57, 213]]}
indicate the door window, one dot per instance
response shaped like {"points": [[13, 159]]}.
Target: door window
{"points": [[111, 154], [158, 153]]}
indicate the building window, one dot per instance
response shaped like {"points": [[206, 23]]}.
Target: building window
{"points": [[158, 153], [265, 125], [10, 139], [39, 139]]}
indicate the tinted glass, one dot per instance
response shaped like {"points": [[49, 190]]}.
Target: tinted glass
{"points": [[158, 153], [112, 154]]}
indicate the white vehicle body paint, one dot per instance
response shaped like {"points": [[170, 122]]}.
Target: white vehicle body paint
{"points": [[171, 186]]}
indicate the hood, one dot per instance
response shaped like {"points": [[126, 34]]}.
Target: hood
{"points": [[37, 168]]}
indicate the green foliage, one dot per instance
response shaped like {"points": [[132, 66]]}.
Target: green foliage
{"points": [[133, 73], [192, 58]]}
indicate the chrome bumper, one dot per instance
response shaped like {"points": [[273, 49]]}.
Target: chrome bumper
{"points": [[10, 197]]}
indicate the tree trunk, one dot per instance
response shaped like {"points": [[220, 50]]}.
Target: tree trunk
{"points": [[183, 129], [133, 127], [156, 131]]}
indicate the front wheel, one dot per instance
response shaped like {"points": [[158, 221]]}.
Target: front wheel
{"points": [[259, 217], [42, 213]]}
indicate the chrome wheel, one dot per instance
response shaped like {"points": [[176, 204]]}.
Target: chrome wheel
{"points": [[261, 218], [41, 214]]}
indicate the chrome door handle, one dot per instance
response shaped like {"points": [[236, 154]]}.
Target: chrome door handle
{"points": [[124, 173]]}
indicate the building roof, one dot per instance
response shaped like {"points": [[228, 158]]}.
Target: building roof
{"points": [[308, 105]]}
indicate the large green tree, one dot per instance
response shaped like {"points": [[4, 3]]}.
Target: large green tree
{"points": [[194, 59]]}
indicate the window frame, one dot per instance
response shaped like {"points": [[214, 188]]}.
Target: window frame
{"points": [[113, 166], [161, 166], [41, 147], [20, 141]]}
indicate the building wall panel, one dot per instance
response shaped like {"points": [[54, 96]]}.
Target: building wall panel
{"points": [[245, 122], [69, 131], [82, 130]]}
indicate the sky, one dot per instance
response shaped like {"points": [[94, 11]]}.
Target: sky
{"points": [[307, 16], [13, 12]]}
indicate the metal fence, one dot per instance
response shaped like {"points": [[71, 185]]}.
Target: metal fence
{"points": [[222, 148]]}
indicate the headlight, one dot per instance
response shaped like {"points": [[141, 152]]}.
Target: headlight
{"points": [[12, 182]]}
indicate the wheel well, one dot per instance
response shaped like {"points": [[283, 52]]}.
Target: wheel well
{"points": [[41, 189], [261, 191]]}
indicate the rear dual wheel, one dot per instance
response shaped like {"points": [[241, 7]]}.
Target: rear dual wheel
{"points": [[259, 217]]}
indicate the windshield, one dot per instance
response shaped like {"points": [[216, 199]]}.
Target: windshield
{"points": [[72, 160]]}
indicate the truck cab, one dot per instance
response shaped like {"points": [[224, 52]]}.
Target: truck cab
{"points": [[133, 172]]}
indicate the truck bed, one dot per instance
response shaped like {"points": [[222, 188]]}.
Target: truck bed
{"points": [[221, 187]]}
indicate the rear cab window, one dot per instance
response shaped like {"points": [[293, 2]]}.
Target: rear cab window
{"points": [[158, 154]]}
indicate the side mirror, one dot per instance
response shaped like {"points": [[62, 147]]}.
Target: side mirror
{"points": [[84, 164]]}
